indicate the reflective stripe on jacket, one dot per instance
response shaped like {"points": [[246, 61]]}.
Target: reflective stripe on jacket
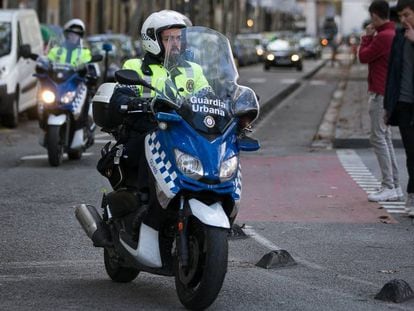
{"points": [[77, 57], [190, 78]]}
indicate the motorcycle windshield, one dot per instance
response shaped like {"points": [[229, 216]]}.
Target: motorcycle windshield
{"points": [[202, 78], [62, 57], [66, 50]]}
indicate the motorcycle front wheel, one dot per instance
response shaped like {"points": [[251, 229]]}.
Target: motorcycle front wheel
{"points": [[54, 143], [117, 272], [199, 284]]}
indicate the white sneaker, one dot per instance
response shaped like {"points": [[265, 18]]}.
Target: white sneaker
{"points": [[400, 193], [384, 194], [409, 204]]}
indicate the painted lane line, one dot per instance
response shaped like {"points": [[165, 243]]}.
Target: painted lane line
{"points": [[272, 247], [44, 156], [350, 159], [101, 135], [103, 141]]}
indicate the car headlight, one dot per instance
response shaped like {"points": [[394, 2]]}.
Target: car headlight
{"points": [[48, 97], [188, 165], [295, 57], [259, 52], [228, 168], [68, 97], [270, 57]]}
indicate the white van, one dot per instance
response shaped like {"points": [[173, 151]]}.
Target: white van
{"points": [[18, 87]]}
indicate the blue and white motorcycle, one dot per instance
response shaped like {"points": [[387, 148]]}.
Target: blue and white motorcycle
{"points": [[195, 180], [64, 109]]}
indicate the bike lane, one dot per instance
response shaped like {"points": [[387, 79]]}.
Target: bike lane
{"points": [[304, 188]]}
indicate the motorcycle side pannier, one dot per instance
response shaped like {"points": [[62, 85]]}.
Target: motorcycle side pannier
{"points": [[102, 114]]}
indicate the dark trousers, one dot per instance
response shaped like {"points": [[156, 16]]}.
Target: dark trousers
{"points": [[407, 136], [404, 117]]}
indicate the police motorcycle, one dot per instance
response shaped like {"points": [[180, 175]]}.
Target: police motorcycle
{"points": [[64, 110], [193, 157]]}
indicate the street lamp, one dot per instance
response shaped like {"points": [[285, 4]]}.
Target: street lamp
{"points": [[250, 23]]}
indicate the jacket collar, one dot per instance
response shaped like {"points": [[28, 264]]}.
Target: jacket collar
{"points": [[387, 25], [149, 59]]}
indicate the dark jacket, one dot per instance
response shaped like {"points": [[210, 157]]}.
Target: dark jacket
{"points": [[375, 51], [393, 86]]}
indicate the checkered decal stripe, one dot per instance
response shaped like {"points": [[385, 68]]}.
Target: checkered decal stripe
{"points": [[78, 101], [238, 184], [162, 164]]}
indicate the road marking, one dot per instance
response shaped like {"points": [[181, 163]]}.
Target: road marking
{"points": [[288, 81], [317, 82], [102, 135], [257, 80], [47, 264], [44, 156], [103, 141], [273, 247], [354, 166]]}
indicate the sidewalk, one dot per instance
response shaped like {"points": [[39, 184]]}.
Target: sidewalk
{"points": [[353, 122]]}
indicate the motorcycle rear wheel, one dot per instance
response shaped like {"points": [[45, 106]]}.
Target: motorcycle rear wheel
{"points": [[54, 145], [116, 272], [199, 284]]}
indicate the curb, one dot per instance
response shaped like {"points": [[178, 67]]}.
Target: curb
{"points": [[325, 135], [360, 143]]}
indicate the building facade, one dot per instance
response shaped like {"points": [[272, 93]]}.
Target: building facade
{"points": [[126, 16]]}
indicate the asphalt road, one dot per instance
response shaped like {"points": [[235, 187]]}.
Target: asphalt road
{"points": [[48, 263]]}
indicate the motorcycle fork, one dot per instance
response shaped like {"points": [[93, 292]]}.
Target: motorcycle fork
{"points": [[67, 132], [182, 222]]}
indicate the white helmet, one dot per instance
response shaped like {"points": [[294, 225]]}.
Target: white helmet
{"points": [[186, 20], [152, 27], [76, 26]]}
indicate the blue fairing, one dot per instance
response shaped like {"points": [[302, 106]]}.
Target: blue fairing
{"points": [[211, 153], [70, 84]]}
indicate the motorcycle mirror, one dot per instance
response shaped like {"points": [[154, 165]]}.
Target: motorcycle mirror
{"points": [[248, 144], [26, 52], [107, 47], [131, 77]]}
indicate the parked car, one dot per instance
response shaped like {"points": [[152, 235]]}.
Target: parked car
{"points": [[310, 47], [18, 87], [256, 39], [283, 53], [122, 48], [244, 51]]}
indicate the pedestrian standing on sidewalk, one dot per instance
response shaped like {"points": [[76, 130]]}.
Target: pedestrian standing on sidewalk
{"points": [[374, 50], [399, 92]]}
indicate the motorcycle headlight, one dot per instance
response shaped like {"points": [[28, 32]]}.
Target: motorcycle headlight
{"points": [[48, 97], [188, 165], [67, 97], [228, 168]]}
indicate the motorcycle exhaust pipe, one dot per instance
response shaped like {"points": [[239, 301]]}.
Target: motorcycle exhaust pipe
{"points": [[92, 224]]}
